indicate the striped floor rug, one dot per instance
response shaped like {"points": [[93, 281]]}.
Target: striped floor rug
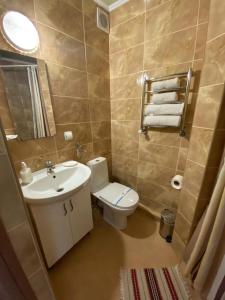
{"points": [[154, 284]]}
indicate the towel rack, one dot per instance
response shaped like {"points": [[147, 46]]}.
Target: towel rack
{"points": [[147, 92]]}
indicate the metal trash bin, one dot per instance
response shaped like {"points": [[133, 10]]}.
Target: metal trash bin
{"points": [[167, 224]]}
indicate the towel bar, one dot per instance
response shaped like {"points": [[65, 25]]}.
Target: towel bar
{"points": [[146, 91]]}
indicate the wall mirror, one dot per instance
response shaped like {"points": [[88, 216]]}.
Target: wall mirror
{"points": [[25, 86], [19, 32]]}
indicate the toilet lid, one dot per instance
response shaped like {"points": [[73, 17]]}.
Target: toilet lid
{"points": [[118, 195]]}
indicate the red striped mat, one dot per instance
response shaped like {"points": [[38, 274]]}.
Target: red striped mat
{"points": [[153, 284]]}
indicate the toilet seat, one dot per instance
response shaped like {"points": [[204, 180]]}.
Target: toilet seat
{"points": [[118, 195]]}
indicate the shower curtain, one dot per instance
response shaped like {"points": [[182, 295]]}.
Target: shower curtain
{"points": [[38, 114], [207, 247]]}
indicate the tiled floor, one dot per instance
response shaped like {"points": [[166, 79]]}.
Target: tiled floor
{"points": [[91, 270]]}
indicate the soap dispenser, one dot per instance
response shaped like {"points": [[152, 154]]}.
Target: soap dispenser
{"points": [[25, 174]]}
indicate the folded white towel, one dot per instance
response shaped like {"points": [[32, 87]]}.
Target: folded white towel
{"points": [[162, 121], [166, 84], [164, 98], [164, 109]]}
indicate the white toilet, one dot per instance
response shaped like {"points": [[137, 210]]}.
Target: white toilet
{"points": [[118, 201]]}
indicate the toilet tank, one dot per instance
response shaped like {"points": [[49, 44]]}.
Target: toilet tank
{"points": [[99, 173]]}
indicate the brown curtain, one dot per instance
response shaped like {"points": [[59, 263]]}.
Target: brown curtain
{"points": [[208, 237]]}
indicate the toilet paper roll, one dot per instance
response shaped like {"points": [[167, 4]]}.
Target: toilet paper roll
{"points": [[176, 182]]}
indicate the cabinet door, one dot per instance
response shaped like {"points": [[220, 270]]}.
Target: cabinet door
{"points": [[53, 226], [81, 213]]}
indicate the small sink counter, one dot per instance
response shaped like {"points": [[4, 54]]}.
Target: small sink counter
{"points": [[60, 205], [61, 184]]}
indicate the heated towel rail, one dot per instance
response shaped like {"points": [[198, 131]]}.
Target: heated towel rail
{"points": [[147, 93]]}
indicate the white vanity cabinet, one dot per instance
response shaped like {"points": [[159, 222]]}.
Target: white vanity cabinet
{"points": [[62, 224]]}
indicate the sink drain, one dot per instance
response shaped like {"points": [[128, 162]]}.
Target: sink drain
{"points": [[59, 190]]}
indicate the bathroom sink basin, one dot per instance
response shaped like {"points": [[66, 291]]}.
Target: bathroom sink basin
{"points": [[57, 186]]}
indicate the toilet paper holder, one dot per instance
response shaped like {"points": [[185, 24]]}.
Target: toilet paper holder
{"points": [[176, 182]]}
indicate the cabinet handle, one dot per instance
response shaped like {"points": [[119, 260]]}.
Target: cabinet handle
{"points": [[65, 210], [71, 205]]}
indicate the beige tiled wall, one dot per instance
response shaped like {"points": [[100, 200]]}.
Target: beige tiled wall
{"points": [[159, 38], [208, 133], [76, 53], [14, 218]]}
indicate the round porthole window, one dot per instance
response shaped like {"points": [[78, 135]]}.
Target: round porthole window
{"points": [[19, 32]]}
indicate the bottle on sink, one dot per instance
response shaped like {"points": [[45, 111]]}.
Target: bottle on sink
{"points": [[25, 173]]}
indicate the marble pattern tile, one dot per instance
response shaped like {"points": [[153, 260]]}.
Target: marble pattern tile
{"points": [[70, 110], [124, 164], [81, 133], [28, 149], [67, 82], [11, 210], [204, 11], [166, 137], [209, 102], [161, 194], [61, 15], [158, 154], [182, 158], [200, 145], [153, 3], [41, 287], [95, 37], [61, 49], [26, 7], [161, 52], [126, 109], [98, 87], [201, 41], [170, 17], [129, 149], [188, 205], [193, 178], [128, 34], [125, 87], [155, 173], [183, 227], [214, 69], [25, 251], [102, 147], [126, 62], [127, 130], [99, 110], [97, 62], [217, 23], [126, 11], [101, 130]]}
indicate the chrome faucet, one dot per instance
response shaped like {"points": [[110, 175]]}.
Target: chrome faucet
{"points": [[50, 167]]}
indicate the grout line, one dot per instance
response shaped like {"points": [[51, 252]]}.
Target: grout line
{"points": [[196, 35], [141, 13], [211, 129], [17, 226], [216, 37], [35, 272], [64, 66], [156, 39], [196, 163], [86, 65], [62, 32]]}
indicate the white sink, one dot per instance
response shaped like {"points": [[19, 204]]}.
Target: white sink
{"points": [[47, 188]]}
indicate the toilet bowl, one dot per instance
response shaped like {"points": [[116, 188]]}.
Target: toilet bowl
{"points": [[118, 201]]}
